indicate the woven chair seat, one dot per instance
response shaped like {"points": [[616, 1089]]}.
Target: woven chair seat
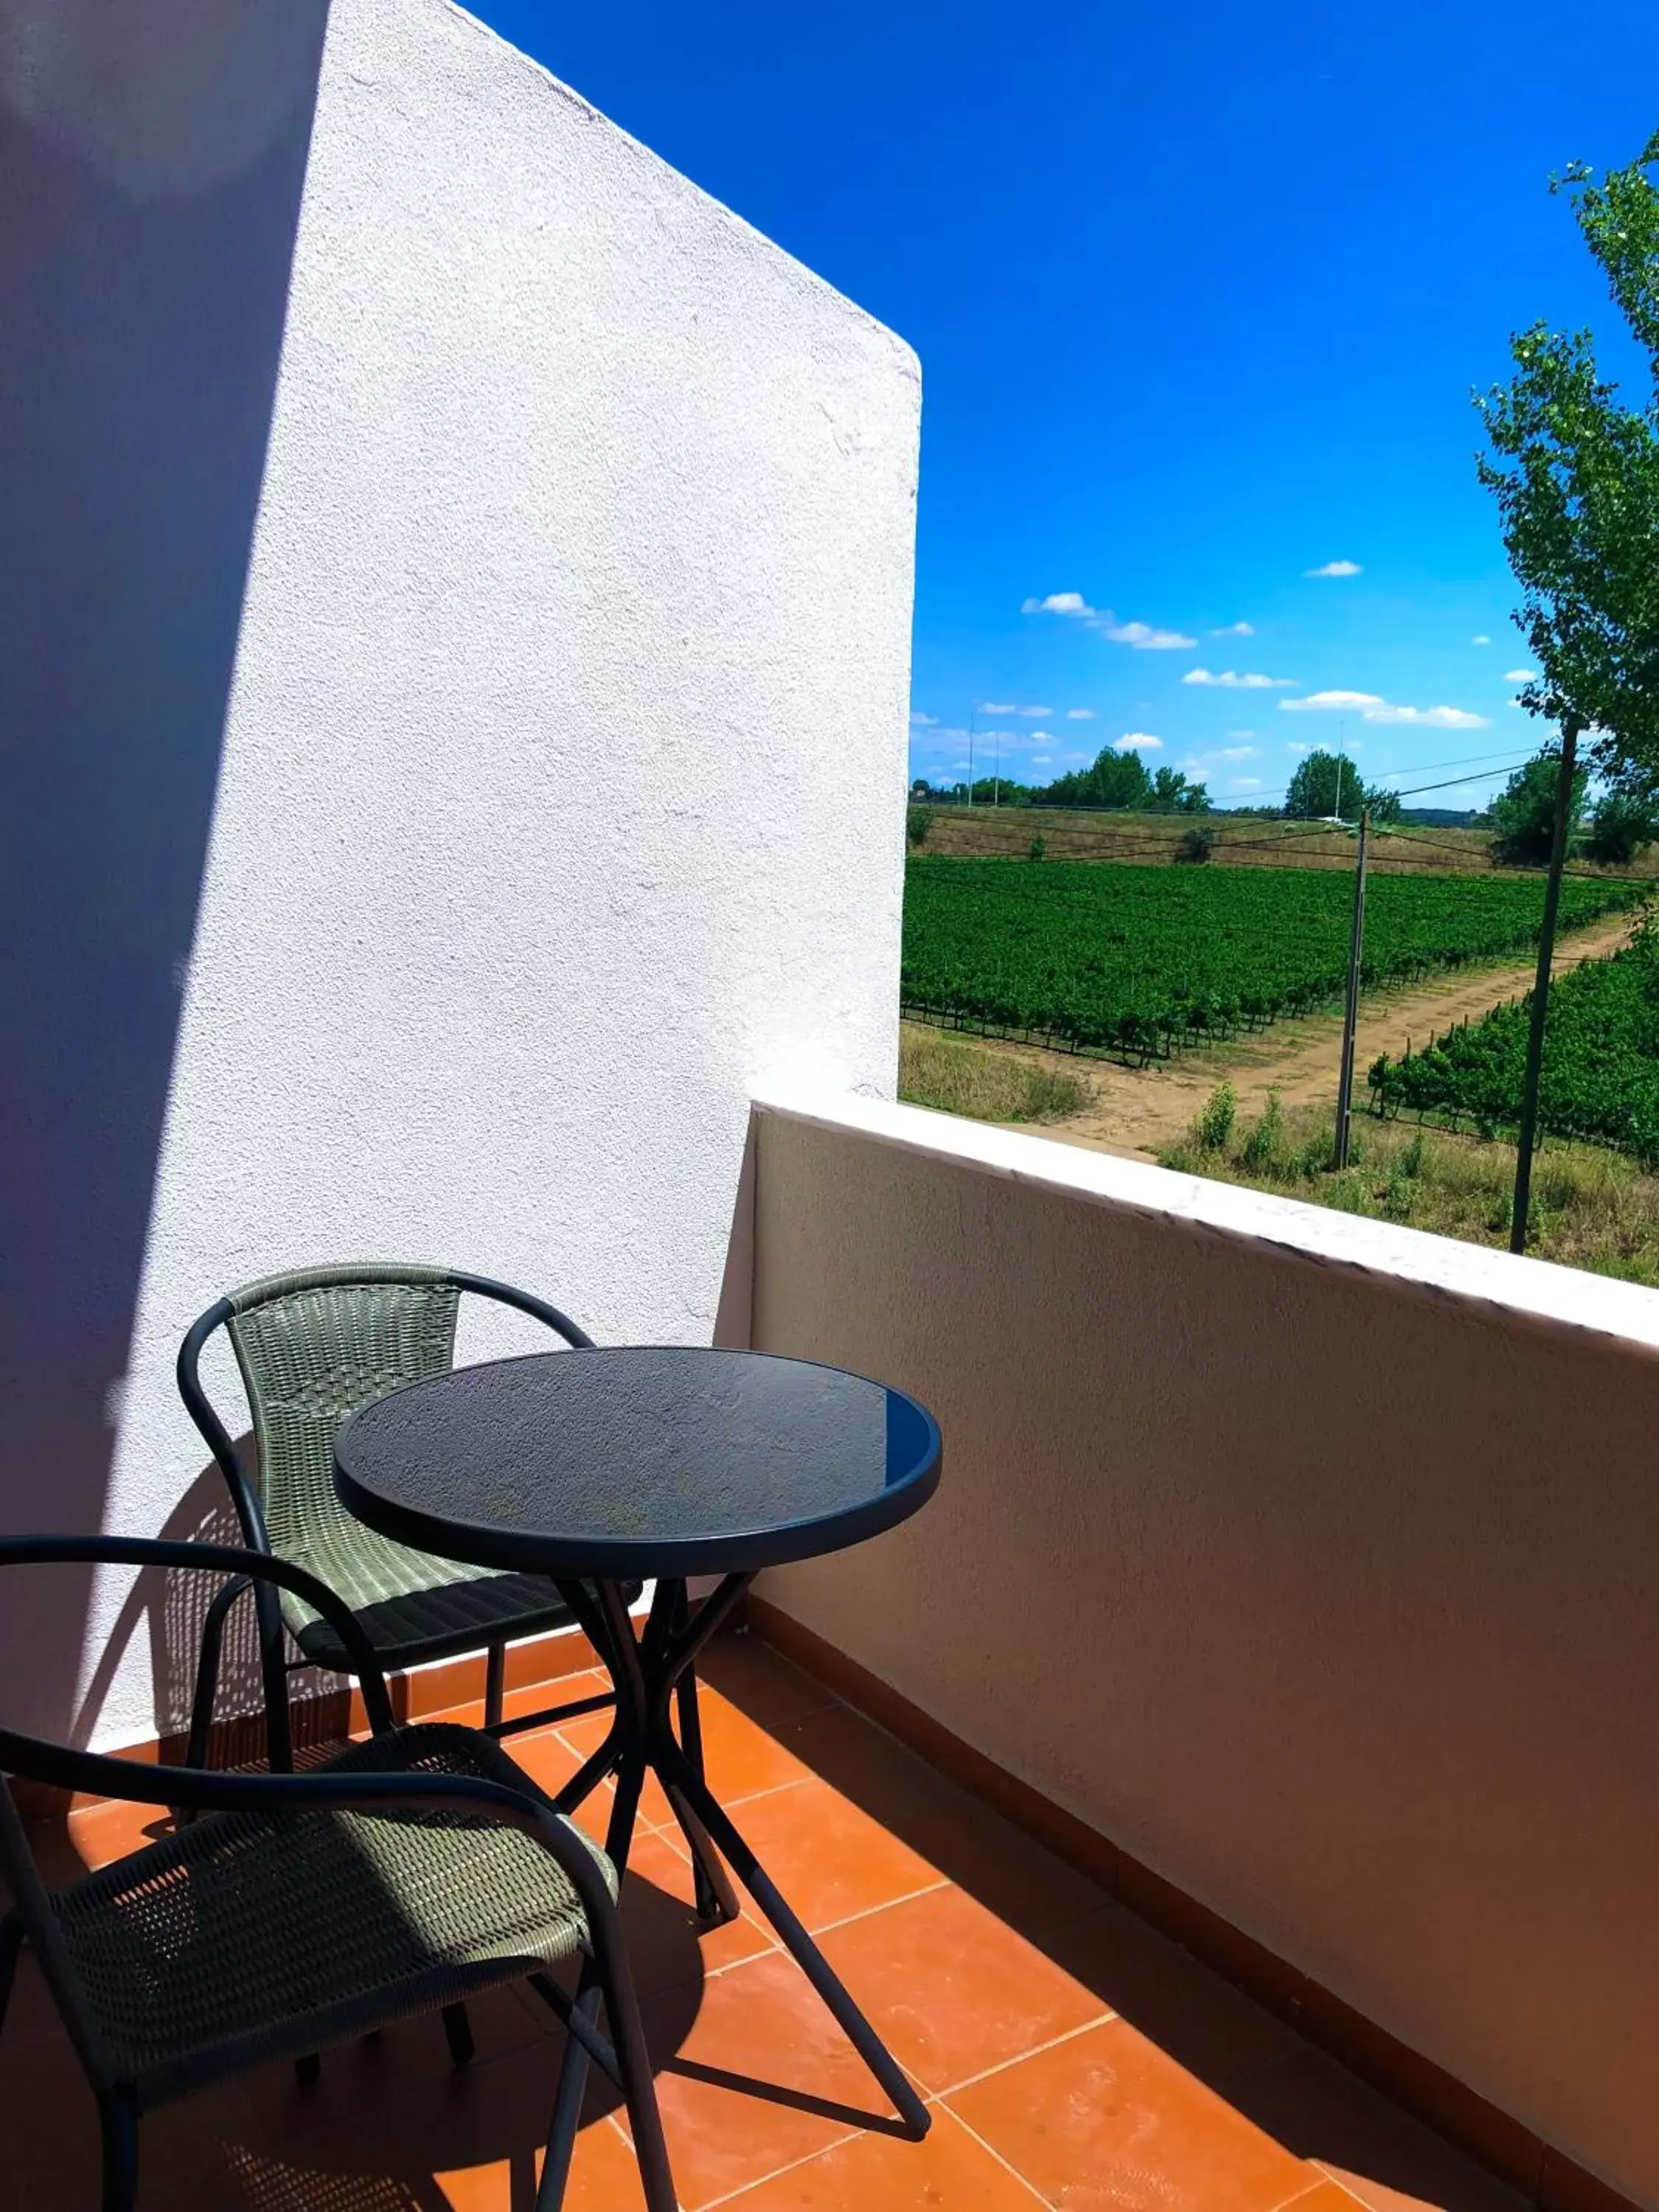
{"points": [[408, 1601], [251, 1936]]}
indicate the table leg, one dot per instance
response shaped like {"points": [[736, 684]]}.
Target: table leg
{"points": [[683, 1781]]}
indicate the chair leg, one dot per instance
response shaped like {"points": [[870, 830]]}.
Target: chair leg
{"points": [[207, 1670], [273, 1666], [604, 1974], [568, 2104], [119, 2121], [638, 2086], [458, 2032], [495, 1685]]}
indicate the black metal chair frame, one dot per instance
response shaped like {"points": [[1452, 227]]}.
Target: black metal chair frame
{"points": [[276, 1664], [193, 1789]]}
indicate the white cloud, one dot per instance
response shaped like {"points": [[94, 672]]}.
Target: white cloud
{"points": [[1036, 714], [1245, 783], [1430, 718], [1298, 746], [998, 707], [1238, 752], [1481, 641], [1227, 679], [920, 721], [1236, 630], [1242, 733], [1036, 738], [1057, 603], [1142, 635], [1041, 760], [1080, 714], [1137, 741], [1335, 568], [1334, 702], [1520, 675]]}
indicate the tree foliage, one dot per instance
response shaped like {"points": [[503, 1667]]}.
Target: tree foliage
{"points": [[1122, 780], [1576, 474], [1623, 825], [1326, 784], [1523, 813]]}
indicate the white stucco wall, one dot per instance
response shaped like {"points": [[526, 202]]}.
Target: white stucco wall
{"points": [[559, 804], [1315, 1561]]}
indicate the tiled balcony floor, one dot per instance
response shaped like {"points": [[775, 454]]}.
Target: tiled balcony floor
{"points": [[1074, 2058]]}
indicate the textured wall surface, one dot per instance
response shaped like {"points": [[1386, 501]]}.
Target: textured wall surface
{"points": [[559, 797], [1315, 1561]]}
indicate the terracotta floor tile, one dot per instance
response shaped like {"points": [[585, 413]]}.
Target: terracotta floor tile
{"points": [[947, 2172], [667, 1944], [830, 1858], [979, 1850], [753, 2075], [585, 1736], [49, 2129], [1192, 2015], [951, 1990], [63, 1850], [762, 1682], [359, 2075], [1325, 2196], [1105, 2120], [741, 1757], [603, 2177], [1318, 2110]]}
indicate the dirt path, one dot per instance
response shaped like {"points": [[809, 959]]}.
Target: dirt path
{"points": [[1134, 1110]]}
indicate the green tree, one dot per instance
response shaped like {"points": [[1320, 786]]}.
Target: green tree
{"points": [[1120, 779], [1326, 784], [1523, 813], [1574, 472], [1625, 822], [1116, 779], [1576, 475], [1171, 794]]}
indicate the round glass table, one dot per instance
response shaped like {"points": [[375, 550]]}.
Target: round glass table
{"points": [[607, 1467]]}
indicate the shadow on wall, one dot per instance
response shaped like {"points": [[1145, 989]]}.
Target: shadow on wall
{"points": [[151, 164]]}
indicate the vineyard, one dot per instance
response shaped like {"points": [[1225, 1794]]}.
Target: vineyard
{"points": [[1601, 1073], [1139, 962]]}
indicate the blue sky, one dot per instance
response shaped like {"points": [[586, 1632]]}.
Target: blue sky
{"points": [[1200, 294]]}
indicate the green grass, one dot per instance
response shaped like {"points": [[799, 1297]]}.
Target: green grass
{"points": [[956, 1078], [1590, 1207]]}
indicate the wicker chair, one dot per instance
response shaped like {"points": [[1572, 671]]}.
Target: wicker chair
{"points": [[416, 1868], [313, 1346]]}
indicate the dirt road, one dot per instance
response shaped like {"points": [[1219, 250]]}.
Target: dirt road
{"points": [[1133, 1110]]}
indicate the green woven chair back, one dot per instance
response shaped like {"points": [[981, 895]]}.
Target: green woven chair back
{"points": [[312, 1348]]}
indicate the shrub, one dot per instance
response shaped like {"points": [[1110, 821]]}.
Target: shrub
{"points": [[918, 821], [1039, 846], [1621, 827], [1261, 1148], [1197, 844], [1215, 1124]]}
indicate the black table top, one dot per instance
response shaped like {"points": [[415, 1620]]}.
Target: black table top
{"points": [[638, 1462]]}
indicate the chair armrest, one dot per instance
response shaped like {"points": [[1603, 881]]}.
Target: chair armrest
{"points": [[227, 1558]]}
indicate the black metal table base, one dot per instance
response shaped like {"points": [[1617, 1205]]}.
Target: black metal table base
{"points": [[652, 1674]]}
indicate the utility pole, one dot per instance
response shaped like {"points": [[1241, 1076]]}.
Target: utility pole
{"points": [[996, 772], [1527, 1136], [973, 715], [1351, 1015]]}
